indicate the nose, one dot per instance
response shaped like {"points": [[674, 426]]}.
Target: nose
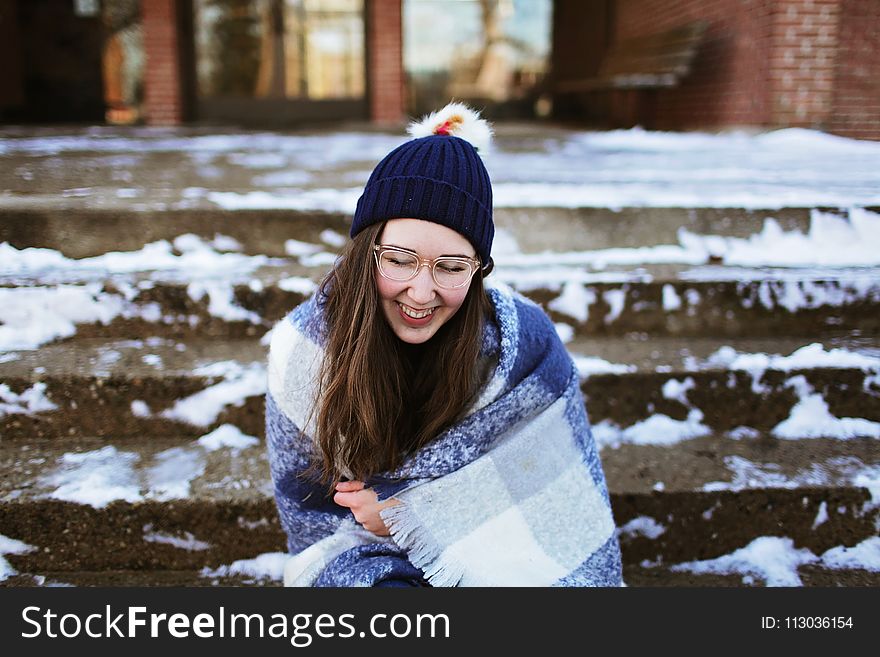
{"points": [[421, 288]]}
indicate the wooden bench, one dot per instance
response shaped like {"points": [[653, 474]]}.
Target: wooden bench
{"points": [[654, 61]]}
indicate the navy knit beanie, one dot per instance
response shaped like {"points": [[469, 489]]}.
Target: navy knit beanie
{"points": [[438, 177]]}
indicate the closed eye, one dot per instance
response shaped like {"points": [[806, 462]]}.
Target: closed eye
{"points": [[451, 267]]}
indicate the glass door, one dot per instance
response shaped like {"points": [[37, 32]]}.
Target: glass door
{"points": [[295, 59]]}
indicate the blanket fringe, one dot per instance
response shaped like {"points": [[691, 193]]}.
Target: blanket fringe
{"points": [[408, 533]]}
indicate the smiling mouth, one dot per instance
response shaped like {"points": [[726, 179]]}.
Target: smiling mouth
{"points": [[416, 314]]}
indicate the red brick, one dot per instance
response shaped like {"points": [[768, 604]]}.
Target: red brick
{"points": [[163, 93]]}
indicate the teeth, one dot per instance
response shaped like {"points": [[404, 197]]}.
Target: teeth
{"points": [[409, 312]]}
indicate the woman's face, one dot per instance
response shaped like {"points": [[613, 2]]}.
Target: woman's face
{"points": [[401, 300]]}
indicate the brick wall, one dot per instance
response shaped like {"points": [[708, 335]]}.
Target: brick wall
{"points": [[856, 99], [770, 63], [385, 78], [727, 85], [163, 88], [803, 47]]}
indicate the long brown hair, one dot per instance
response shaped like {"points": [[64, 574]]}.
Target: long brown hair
{"points": [[374, 404]]}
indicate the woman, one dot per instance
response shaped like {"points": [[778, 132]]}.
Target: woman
{"points": [[423, 429]]}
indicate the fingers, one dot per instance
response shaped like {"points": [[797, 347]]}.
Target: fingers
{"points": [[364, 505], [346, 499], [356, 498], [349, 486]]}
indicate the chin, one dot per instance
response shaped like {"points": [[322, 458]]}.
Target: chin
{"points": [[413, 336]]}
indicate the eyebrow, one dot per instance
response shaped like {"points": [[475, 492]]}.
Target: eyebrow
{"points": [[442, 255]]}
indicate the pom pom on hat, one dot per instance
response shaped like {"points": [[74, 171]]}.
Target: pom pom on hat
{"points": [[437, 176], [456, 120]]}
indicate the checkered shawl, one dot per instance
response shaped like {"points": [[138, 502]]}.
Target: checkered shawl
{"points": [[511, 495]]}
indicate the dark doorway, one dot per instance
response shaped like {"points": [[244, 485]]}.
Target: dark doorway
{"points": [[59, 69]]}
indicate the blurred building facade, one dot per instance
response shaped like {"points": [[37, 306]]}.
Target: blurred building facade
{"points": [[761, 63]]}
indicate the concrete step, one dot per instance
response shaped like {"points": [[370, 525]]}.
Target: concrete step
{"points": [[137, 578], [173, 535], [207, 539], [653, 353], [122, 307], [160, 387], [83, 232], [81, 227], [151, 506], [635, 576], [530, 165], [227, 468]]}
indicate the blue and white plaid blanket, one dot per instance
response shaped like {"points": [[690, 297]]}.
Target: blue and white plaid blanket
{"points": [[512, 495]]}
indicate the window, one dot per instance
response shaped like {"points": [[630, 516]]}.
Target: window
{"points": [[492, 52], [303, 49]]}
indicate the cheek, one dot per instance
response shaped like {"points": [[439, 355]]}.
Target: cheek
{"points": [[453, 299], [387, 290]]}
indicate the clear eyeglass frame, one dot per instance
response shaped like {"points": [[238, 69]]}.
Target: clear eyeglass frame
{"points": [[472, 263]]}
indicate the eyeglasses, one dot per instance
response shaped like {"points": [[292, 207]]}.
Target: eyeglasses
{"points": [[449, 272]]}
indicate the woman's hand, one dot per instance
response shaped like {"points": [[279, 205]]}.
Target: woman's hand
{"points": [[364, 504]]}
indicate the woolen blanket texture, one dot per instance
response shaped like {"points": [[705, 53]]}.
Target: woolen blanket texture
{"points": [[511, 495]]}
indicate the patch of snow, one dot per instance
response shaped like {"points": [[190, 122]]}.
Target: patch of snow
{"points": [[11, 546], [748, 474], [656, 430], [671, 300], [172, 471], [227, 435], [325, 200], [807, 357], [224, 243], [677, 390], [31, 401], [333, 238], [189, 253], [299, 284], [258, 160], [322, 259], [771, 558], [831, 240], [264, 566], [864, 556], [296, 248], [140, 409], [202, 408], [642, 526], [575, 302], [743, 433], [33, 316], [95, 478], [221, 301], [811, 418], [564, 331], [290, 178], [616, 300], [590, 365], [821, 515], [185, 542]]}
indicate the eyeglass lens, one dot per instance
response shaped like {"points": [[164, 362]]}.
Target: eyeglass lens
{"points": [[400, 266]]}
